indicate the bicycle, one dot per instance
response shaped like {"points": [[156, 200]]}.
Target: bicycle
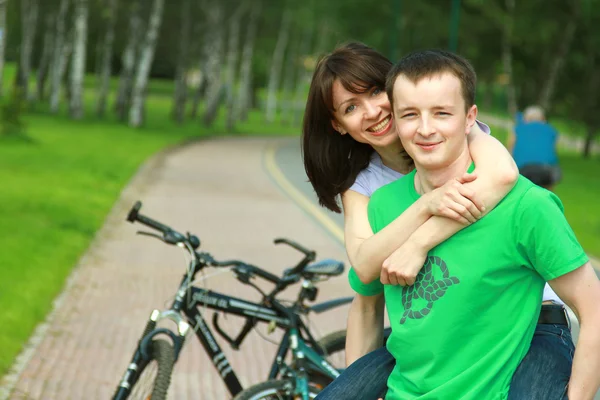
{"points": [[149, 371]]}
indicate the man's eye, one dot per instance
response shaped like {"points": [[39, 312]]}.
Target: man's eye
{"points": [[408, 115], [443, 113], [377, 92], [350, 108]]}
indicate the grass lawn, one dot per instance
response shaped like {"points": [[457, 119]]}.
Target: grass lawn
{"points": [[58, 189]]}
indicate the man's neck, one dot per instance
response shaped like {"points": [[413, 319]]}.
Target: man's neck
{"points": [[391, 156], [427, 180]]}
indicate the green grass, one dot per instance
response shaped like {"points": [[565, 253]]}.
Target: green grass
{"points": [[58, 189], [579, 191]]}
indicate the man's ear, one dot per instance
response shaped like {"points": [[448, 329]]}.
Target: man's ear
{"points": [[337, 127], [471, 118]]}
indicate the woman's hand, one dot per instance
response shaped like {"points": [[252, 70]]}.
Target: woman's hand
{"points": [[455, 201], [403, 265]]}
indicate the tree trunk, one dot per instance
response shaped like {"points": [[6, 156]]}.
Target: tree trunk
{"points": [[305, 73], [46, 58], [559, 58], [29, 17], [276, 65], [242, 103], [214, 59], [107, 52], [290, 74], [138, 95], [76, 108], [589, 140], [2, 42], [59, 58], [511, 95], [233, 56], [128, 60], [180, 94], [200, 83]]}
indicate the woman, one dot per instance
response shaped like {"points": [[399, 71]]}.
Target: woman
{"points": [[350, 149]]}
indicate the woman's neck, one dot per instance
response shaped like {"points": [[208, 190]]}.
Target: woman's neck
{"points": [[393, 156]]}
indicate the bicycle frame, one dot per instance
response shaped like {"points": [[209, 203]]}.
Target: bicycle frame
{"points": [[202, 298]]}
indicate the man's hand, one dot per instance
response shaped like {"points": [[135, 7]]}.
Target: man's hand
{"points": [[455, 201], [403, 265]]}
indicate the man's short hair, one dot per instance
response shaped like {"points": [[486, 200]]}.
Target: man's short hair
{"points": [[427, 63], [534, 113]]}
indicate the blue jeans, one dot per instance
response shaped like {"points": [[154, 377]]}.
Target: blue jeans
{"points": [[542, 375]]}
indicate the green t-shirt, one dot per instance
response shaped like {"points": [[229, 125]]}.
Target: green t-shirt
{"points": [[465, 325]]}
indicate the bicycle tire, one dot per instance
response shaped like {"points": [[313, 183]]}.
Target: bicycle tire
{"points": [[156, 386], [273, 390]]}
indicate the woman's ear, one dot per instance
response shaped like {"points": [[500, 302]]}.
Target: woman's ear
{"points": [[338, 127]]}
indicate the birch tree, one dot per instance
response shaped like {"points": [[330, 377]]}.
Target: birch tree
{"points": [[128, 59], [60, 56], [290, 74], [198, 55], [2, 41], [242, 103], [507, 59], [560, 56], [138, 95], [214, 60], [78, 60], [277, 64], [232, 61], [46, 58], [107, 52], [180, 94], [29, 17]]}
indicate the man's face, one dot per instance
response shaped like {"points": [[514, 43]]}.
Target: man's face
{"points": [[431, 121]]}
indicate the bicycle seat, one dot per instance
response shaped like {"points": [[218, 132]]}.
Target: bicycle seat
{"points": [[328, 267]]}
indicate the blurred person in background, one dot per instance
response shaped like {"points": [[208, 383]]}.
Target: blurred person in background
{"points": [[533, 146]]}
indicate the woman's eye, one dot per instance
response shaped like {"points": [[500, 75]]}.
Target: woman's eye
{"points": [[350, 108], [408, 115], [377, 91]]}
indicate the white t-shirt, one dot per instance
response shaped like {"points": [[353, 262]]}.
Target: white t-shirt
{"points": [[378, 174]]}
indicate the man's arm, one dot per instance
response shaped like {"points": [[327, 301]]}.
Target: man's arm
{"points": [[580, 290], [365, 326], [498, 174]]}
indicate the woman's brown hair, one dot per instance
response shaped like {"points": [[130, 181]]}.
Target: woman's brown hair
{"points": [[333, 161]]}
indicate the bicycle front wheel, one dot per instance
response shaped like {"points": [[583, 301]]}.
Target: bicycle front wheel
{"points": [[155, 376], [274, 390]]}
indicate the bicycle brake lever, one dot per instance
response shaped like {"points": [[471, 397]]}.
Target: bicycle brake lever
{"points": [[150, 234]]}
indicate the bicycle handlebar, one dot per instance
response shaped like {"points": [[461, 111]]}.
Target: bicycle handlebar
{"points": [[243, 269]]}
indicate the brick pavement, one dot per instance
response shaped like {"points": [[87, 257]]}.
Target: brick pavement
{"points": [[217, 189]]}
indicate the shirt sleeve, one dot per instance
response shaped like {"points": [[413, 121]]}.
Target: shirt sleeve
{"points": [[484, 127], [544, 238], [361, 184], [365, 289]]}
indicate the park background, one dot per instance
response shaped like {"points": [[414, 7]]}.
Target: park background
{"points": [[90, 89]]}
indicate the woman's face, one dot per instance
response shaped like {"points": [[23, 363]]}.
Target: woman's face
{"points": [[367, 117]]}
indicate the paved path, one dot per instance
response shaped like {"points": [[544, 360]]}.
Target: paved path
{"points": [[218, 189]]}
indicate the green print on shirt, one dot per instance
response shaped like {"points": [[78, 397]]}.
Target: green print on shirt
{"points": [[426, 288]]}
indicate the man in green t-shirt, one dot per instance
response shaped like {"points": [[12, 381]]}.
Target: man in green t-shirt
{"points": [[461, 330]]}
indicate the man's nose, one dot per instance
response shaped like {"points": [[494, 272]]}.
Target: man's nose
{"points": [[425, 127]]}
